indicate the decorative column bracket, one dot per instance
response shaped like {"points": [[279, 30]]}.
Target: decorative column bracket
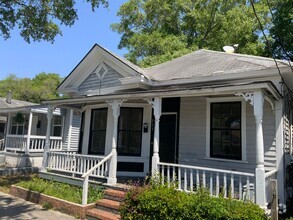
{"points": [[248, 96]]}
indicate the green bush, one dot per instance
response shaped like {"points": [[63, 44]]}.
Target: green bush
{"points": [[160, 202]]}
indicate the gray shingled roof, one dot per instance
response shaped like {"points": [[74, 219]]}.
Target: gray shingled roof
{"points": [[14, 104], [207, 63]]}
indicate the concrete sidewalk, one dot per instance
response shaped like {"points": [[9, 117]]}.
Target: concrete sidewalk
{"points": [[14, 208]]}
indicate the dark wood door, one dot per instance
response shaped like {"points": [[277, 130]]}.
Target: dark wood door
{"points": [[168, 135]]}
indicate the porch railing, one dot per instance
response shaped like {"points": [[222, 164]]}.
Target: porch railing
{"points": [[269, 175], [238, 185], [97, 170], [36, 143], [76, 164]]}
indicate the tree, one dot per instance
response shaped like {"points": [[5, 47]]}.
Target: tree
{"points": [[37, 19], [42, 87], [154, 31], [282, 29]]}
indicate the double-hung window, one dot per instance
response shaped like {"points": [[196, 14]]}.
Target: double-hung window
{"points": [[130, 131], [57, 125], [226, 130], [98, 131]]}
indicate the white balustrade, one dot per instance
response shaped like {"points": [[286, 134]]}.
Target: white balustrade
{"points": [[73, 163], [36, 143], [218, 182]]}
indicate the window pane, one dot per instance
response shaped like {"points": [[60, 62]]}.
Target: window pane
{"points": [[216, 109], [57, 131], [20, 130], [57, 120], [98, 142], [13, 129]]}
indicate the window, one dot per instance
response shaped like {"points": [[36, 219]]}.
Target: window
{"points": [[225, 130], [98, 131], [17, 128], [130, 131], [57, 125]]}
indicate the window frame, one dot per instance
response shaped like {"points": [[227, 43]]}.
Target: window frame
{"points": [[17, 125], [243, 127], [141, 133], [61, 125]]}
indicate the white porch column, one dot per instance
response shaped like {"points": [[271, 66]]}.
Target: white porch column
{"points": [[48, 134], [115, 104], [260, 186], [280, 150], [7, 130], [30, 120], [157, 105]]}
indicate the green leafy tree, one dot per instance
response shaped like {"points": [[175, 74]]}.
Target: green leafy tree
{"points": [[282, 29], [154, 31], [39, 19], [42, 87]]}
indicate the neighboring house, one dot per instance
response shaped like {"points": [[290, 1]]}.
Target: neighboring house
{"points": [[207, 118], [25, 132]]}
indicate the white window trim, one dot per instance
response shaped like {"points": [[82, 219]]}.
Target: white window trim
{"points": [[243, 126]]}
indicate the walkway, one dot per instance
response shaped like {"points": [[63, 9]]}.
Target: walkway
{"points": [[15, 208]]}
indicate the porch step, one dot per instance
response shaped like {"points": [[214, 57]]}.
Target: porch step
{"points": [[108, 207]]}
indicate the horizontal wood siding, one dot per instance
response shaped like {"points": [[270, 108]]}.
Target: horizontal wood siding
{"points": [[92, 82], [75, 131], [66, 115], [192, 137]]}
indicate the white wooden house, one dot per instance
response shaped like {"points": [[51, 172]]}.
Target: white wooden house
{"points": [[25, 132], [207, 118]]}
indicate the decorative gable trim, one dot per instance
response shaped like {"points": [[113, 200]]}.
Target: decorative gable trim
{"points": [[96, 60]]}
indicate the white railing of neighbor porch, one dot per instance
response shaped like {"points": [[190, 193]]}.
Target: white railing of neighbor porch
{"points": [[238, 185], [99, 169], [36, 143]]}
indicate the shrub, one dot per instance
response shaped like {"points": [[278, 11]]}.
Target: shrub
{"points": [[161, 202]]}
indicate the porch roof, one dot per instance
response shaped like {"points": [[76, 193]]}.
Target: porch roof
{"points": [[172, 91]]}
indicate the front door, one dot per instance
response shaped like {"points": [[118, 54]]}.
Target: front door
{"points": [[168, 138]]}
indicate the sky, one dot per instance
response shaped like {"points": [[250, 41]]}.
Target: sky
{"points": [[27, 60]]}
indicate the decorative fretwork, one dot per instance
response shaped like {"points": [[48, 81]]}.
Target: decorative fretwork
{"points": [[248, 96]]}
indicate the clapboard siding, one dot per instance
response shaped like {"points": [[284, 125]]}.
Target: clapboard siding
{"points": [[75, 131], [192, 137], [66, 115], [74, 137], [92, 82]]}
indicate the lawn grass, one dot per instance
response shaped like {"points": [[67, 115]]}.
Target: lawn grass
{"points": [[7, 181], [61, 190]]}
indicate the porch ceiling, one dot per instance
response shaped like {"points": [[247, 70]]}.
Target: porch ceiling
{"points": [[173, 91]]}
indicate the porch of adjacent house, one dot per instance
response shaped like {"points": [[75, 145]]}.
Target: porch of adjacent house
{"points": [[246, 179], [25, 136]]}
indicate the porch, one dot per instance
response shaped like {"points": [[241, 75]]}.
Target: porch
{"points": [[242, 172], [25, 130]]}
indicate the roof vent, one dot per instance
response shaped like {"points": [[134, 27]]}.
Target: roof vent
{"points": [[8, 98], [230, 49]]}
